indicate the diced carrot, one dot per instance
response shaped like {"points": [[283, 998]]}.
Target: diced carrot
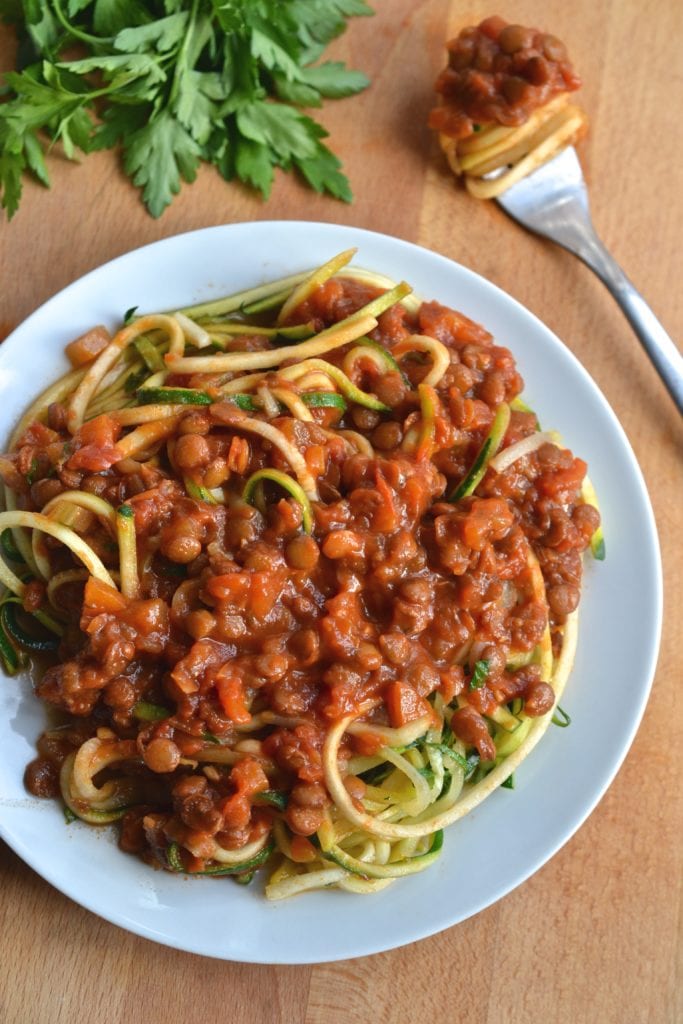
{"points": [[231, 696], [385, 517], [302, 849], [84, 349], [404, 704], [316, 459], [101, 597]]}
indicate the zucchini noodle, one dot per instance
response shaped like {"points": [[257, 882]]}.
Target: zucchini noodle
{"points": [[71, 540], [441, 358], [298, 625], [326, 341], [94, 376]]}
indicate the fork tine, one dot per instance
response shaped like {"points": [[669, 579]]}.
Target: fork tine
{"points": [[541, 200]]}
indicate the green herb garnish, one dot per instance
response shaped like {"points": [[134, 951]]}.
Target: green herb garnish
{"points": [[480, 674], [172, 85], [561, 718]]}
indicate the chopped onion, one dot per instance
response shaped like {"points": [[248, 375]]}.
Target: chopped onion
{"points": [[503, 460]]}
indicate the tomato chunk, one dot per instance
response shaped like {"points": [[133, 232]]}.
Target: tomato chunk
{"points": [[232, 699], [404, 704]]}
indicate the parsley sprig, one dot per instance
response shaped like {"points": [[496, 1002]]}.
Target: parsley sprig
{"points": [[175, 83]]}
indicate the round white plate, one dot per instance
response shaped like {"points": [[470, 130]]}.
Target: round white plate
{"points": [[513, 833]]}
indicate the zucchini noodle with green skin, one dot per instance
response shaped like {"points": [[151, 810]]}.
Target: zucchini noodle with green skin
{"points": [[305, 573]]}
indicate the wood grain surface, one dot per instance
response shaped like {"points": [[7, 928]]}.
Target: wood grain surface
{"points": [[593, 936]]}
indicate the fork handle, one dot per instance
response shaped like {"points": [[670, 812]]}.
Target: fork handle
{"points": [[652, 336]]}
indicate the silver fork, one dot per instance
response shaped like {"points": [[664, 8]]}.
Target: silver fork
{"points": [[553, 201]]}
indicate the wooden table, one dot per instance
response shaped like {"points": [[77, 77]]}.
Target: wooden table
{"points": [[592, 936]]}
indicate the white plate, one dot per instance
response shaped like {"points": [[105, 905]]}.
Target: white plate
{"points": [[513, 833]]}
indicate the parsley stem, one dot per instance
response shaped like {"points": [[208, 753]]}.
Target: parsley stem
{"points": [[76, 32], [180, 66]]}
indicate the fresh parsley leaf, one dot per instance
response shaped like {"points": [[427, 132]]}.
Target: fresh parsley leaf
{"points": [[73, 7], [196, 104], [41, 26], [253, 165], [35, 160], [121, 69], [480, 674], [112, 16], [265, 49], [299, 93], [11, 168], [157, 155], [322, 172], [286, 131], [334, 81], [159, 36], [175, 82]]}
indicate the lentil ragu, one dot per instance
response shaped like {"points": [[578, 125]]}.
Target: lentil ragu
{"points": [[503, 104], [308, 615]]}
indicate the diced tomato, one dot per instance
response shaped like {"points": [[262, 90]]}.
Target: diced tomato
{"points": [[103, 431], [230, 692], [96, 444], [563, 484], [451, 327], [367, 744], [452, 682], [266, 588], [37, 433], [249, 778], [404, 704], [232, 587], [94, 459], [488, 519], [189, 670]]}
